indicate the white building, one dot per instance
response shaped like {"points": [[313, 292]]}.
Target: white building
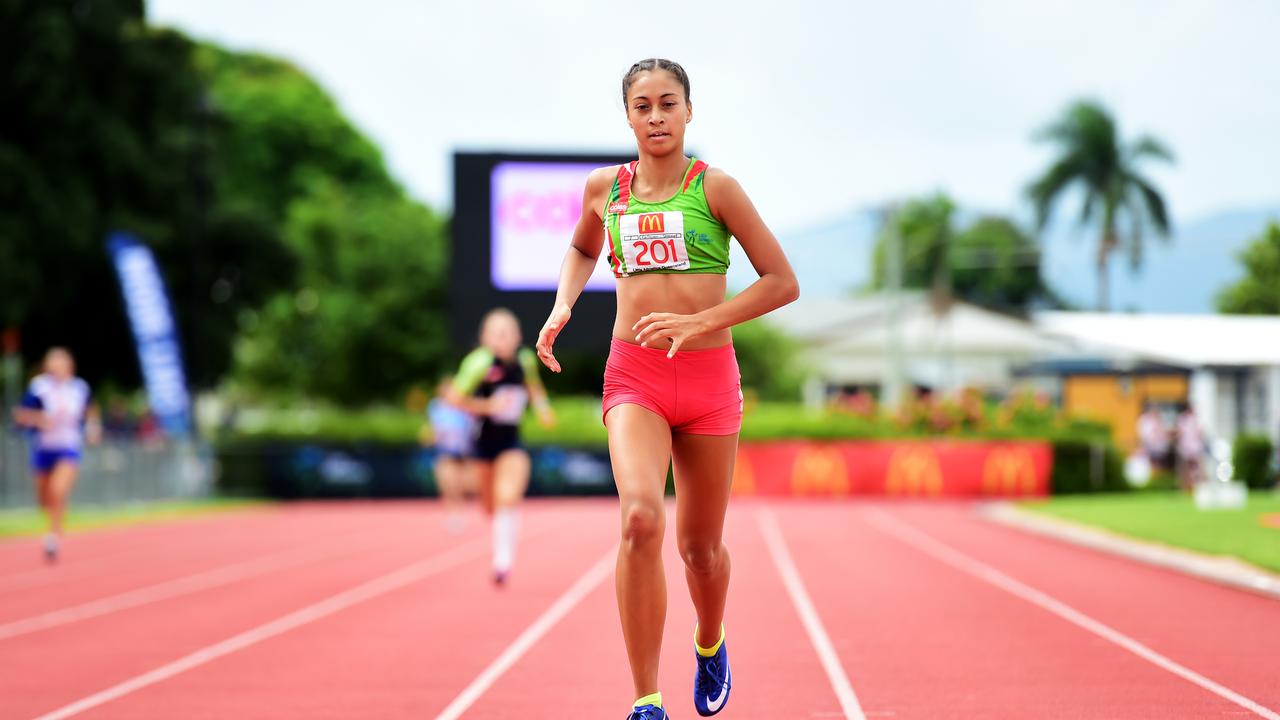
{"points": [[1227, 367]]}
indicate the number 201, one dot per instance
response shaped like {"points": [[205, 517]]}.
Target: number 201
{"points": [[642, 248]]}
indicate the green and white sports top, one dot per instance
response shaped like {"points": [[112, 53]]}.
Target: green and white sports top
{"points": [[676, 235]]}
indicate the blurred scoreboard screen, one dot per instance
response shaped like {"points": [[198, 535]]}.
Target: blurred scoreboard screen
{"points": [[514, 215]]}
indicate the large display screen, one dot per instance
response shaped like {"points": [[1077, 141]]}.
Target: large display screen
{"points": [[535, 207], [514, 215]]}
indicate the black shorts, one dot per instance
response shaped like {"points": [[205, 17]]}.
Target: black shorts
{"points": [[493, 440]]}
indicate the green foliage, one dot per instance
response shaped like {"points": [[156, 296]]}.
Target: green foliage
{"points": [[1081, 466], [1252, 457], [366, 319], [997, 265], [1172, 518], [924, 228], [769, 361], [991, 262], [1258, 292], [1118, 199], [97, 133]]}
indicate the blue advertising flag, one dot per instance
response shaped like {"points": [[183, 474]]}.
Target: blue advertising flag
{"points": [[154, 334]]}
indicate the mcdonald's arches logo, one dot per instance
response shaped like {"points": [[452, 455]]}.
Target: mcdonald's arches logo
{"points": [[819, 470], [1009, 471], [652, 223], [913, 470]]}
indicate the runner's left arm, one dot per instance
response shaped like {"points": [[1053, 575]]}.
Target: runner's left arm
{"points": [[776, 286]]}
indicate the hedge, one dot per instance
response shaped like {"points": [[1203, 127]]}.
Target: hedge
{"points": [[1251, 456]]}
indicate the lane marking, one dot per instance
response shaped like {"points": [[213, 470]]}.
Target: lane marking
{"points": [[186, 585], [531, 635], [369, 590], [927, 544], [809, 615]]}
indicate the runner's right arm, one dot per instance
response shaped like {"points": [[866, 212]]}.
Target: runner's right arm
{"points": [[579, 261]]}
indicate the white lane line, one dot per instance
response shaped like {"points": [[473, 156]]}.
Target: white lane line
{"points": [[809, 615], [532, 634], [186, 585], [348, 598], [956, 559]]}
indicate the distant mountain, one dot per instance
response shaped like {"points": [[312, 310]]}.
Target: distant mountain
{"points": [[1180, 276]]}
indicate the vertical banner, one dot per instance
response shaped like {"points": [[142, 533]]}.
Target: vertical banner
{"points": [[151, 317]]}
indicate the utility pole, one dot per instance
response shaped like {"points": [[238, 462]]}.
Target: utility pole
{"points": [[892, 383]]}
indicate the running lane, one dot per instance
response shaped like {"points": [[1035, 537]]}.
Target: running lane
{"points": [[1225, 634], [579, 670], [104, 650], [922, 639], [403, 654]]}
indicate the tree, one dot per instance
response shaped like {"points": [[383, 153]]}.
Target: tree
{"points": [[366, 317], [1258, 292], [991, 262], [923, 227], [1118, 199], [994, 263]]}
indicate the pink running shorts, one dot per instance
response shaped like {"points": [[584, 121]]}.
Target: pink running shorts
{"points": [[698, 392]]}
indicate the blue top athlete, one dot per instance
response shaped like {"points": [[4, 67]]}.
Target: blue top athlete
{"points": [[56, 407]]}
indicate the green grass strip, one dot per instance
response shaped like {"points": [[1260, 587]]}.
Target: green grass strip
{"points": [[30, 521], [1173, 519]]}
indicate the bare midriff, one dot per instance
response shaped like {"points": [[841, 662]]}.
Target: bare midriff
{"points": [[682, 294]]}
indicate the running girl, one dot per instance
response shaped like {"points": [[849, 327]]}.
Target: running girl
{"points": [[56, 407], [452, 431], [495, 383], [671, 384]]}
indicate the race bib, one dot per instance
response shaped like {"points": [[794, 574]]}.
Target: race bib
{"points": [[653, 241], [511, 401]]}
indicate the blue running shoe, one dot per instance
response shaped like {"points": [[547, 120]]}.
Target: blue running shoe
{"points": [[712, 682], [648, 712]]}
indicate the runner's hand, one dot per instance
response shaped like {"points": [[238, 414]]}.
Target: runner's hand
{"points": [[667, 330], [556, 321]]}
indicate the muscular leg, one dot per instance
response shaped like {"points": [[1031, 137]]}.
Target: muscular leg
{"points": [[704, 475], [61, 481], [640, 449]]}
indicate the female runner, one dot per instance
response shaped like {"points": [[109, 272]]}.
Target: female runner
{"points": [[56, 407], [671, 384], [495, 383]]}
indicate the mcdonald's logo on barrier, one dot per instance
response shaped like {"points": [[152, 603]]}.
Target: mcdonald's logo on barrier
{"points": [[913, 470], [1009, 471], [819, 470], [653, 223]]}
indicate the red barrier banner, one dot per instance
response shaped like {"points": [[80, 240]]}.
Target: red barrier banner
{"points": [[907, 468]]}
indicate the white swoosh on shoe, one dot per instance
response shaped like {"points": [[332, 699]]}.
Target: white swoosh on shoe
{"points": [[715, 705]]}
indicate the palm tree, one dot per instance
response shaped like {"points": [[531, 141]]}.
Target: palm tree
{"points": [[1117, 198]]}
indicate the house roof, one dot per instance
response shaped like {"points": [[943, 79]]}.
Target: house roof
{"points": [[1189, 340]]}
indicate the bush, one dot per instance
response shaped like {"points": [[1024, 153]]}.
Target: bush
{"points": [[1084, 466], [1251, 455]]}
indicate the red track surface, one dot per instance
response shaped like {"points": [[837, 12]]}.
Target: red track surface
{"points": [[931, 613]]}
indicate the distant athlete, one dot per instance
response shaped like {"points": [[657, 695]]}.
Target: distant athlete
{"points": [[671, 383], [496, 383], [453, 431], [56, 407]]}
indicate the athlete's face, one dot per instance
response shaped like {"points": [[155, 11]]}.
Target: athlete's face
{"points": [[501, 335], [59, 365], [658, 111]]}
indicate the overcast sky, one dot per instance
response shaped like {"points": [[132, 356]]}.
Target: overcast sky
{"points": [[818, 108]]}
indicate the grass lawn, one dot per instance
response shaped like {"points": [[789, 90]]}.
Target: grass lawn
{"points": [[29, 521], [1172, 518]]}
